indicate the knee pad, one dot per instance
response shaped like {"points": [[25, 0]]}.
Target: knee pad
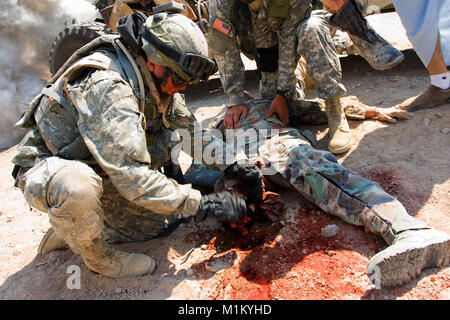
{"points": [[268, 59]]}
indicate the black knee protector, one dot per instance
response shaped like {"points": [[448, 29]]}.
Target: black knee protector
{"points": [[267, 59]]}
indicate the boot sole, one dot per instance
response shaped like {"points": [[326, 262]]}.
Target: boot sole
{"points": [[391, 65], [427, 106], [44, 240], [405, 263]]}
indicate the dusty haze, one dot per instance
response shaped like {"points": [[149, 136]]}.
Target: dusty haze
{"points": [[27, 31]]}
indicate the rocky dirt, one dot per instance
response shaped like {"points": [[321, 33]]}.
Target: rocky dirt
{"points": [[291, 259]]}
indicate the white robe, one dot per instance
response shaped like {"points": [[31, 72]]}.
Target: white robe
{"points": [[423, 20]]}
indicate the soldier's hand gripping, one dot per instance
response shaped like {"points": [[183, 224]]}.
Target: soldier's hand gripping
{"points": [[279, 106], [234, 114], [226, 206]]}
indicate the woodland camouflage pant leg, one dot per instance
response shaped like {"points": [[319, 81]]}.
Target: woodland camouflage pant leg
{"points": [[317, 175]]}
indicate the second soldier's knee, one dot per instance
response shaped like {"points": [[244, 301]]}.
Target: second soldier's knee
{"points": [[311, 33], [312, 25]]}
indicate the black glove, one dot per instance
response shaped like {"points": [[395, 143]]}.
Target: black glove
{"points": [[225, 206], [250, 176]]}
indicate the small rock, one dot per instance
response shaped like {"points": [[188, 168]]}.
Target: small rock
{"points": [[118, 290], [329, 231], [426, 122], [439, 115], [445, 131], [211, 268], [189, 273], [16, 253]]}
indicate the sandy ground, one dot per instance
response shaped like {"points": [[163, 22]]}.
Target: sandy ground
{"points": [[286, 260]]}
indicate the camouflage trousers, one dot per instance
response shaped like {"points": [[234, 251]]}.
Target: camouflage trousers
{"points": [[83, 204], [315, 44], [317, 175]]}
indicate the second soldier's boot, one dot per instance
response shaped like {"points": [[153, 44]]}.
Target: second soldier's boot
{"points": [[51, 242], [367, 43], [410, 253], [340, 139], [102, 258]]}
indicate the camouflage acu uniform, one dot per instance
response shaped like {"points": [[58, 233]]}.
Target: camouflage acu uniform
{"points": [[315, 44], [108, 184], [292, 162], [297, 35]]}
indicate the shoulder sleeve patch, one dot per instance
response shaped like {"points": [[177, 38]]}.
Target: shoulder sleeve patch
{"points": [[221, 26]]}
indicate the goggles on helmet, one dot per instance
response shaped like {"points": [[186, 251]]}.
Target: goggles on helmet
{"points": [[196, 66]]}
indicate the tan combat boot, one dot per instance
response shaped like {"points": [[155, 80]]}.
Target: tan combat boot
{"points": [[340, 139], [107, 261], [411, 252], [51, 242]]}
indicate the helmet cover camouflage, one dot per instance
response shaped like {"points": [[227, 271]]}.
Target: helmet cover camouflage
{"points": [[178, 32]]}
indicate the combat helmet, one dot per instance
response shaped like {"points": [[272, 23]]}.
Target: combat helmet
{"points": [[172, 40]]}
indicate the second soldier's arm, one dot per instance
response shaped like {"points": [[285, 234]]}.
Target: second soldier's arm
{"points": [[227, 54], [228, 58]]}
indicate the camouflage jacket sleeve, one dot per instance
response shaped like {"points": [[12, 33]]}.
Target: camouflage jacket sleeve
{"points": [[111, 126], [227, 54], [231, 70]]}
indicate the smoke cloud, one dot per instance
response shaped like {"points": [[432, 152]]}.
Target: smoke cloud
{"points": [[27, 31]]}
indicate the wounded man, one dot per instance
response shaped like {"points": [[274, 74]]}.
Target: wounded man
{"points": [[290, 160]]}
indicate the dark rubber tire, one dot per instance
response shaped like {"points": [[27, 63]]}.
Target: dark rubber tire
{"points": [[71, 39]]}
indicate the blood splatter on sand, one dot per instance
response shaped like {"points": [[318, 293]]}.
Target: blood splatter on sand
{"points": [[292, 260]]}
